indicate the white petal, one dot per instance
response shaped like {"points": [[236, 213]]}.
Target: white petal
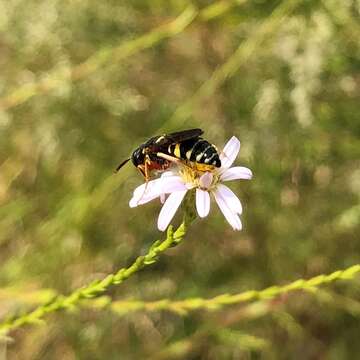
{"points": [[236, 173], [230, 198], [206, 180], [146, 192], [155, 188], [170, 177], [231, 216], [170, 184], [202, 203], [136, 201], [230, 152], [162, 198], [169, 209], [168, 173]]}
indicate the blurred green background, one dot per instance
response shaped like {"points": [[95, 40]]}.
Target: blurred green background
{"points": [[84, 82]]}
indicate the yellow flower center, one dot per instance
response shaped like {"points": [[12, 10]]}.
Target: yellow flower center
{"points": [[191, 175]]}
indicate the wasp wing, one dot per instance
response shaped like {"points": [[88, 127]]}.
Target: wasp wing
{"points": [[173, 138]]}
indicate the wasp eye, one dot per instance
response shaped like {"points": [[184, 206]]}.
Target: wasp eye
{"points": [[137, 157]]}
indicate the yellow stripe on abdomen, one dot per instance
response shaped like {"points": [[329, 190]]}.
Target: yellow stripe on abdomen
{"points": [[177, 151]]}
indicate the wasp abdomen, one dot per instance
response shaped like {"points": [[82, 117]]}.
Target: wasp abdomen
{"points": [[196, 150]]}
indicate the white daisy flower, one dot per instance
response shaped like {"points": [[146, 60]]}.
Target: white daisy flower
{"points": [[177, 183]]}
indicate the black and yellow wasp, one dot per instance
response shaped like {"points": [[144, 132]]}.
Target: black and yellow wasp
{"points": [[186, 147]]}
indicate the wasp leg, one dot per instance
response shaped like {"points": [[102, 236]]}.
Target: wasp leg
{"points": [[147, 174], [169, 157], [175, 160], [141, 169], [144, 169]]}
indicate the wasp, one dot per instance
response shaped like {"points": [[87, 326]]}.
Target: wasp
{"points": [[186, 147]]}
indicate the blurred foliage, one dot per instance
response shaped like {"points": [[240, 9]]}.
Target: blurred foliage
{"points": [[84, 82]]}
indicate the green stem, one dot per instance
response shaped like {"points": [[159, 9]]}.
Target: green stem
{"points": [[182, 307], [99, 287]]}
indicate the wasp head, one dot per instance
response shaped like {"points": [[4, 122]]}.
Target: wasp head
{"points": [[138, 157]]}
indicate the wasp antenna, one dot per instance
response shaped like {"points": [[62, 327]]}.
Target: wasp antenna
{"points": [[121, 165]]}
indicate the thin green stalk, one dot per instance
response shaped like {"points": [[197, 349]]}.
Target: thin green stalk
{"points": [[117, 53], [99, 287], [242, 55], [183, 307], [100, 58], [342, 302]]}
